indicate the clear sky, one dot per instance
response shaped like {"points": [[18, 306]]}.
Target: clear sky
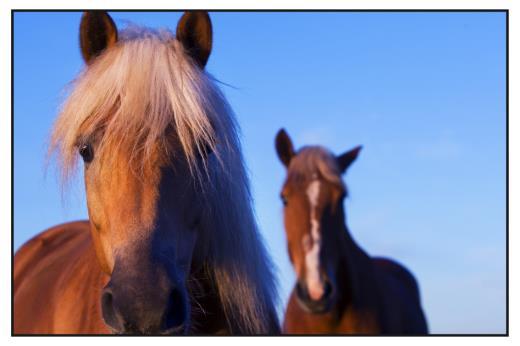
{"points": [[424, 93]]}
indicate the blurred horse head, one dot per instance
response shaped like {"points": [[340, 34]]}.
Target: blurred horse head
{"points": [[313, 194]]}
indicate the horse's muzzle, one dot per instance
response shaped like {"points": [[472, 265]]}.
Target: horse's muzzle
{"points": [[322, 305], [129, 311]]}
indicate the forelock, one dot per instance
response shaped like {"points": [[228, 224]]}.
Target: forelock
{"points": [[314, 162]]}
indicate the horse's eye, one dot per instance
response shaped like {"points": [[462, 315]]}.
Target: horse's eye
{"points": [[86, 152], [284, 200]]}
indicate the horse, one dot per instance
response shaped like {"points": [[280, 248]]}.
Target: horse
{"points": [[339, 289], [171, 245]]}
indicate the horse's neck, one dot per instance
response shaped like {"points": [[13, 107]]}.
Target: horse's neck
{"points": [[354, 268]]}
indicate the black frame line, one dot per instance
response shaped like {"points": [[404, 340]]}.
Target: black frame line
{"points": [[506, 11]]}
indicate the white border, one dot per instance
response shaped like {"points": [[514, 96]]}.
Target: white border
{"points": [[5, 154]]}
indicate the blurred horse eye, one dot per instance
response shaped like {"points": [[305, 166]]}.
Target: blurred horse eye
{"points": [[86, 152], [284, 200]]}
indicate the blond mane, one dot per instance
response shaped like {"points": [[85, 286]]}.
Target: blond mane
{"points": [[132, 98]]}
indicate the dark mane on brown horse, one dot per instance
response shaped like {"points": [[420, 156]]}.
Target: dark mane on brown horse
{"points": [[171, 245], [340, 289]]}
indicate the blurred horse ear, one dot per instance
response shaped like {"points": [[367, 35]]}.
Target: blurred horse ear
{"points": [[195, 33], [346, 159], [284, 147], [97, 32]]}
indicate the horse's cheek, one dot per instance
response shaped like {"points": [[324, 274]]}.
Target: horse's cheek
{"points": [[104, 257], [98, 232]]}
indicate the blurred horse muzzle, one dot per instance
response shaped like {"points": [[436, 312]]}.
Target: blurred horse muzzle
{"points": [[321, 305]]}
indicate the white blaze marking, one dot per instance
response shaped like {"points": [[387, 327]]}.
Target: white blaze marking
{"points": [[312, 244]]}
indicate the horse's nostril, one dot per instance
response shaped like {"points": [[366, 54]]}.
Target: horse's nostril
{"points": [[176, 312], [108, 310], [106, 299]]}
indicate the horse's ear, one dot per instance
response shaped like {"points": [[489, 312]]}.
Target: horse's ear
{"points": [[346, 159], [284, 147], [195, 33], [97, 32]]}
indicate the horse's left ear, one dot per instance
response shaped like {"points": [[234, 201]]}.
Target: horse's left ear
{"points": [[97, 32], [195, 33], [346, 159]]}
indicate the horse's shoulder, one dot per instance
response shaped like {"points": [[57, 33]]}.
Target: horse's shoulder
{"points": [[67, 237], [57, 267], [55, 236], [59, 233]]}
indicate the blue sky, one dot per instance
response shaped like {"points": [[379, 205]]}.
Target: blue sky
{"points": [[424, 93]]}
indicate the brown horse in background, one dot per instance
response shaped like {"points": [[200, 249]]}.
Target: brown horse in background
{"points": [[171, 245], [339, 289]]}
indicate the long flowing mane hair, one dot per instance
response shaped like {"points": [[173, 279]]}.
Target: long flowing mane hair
{"points": [[133, 97]]}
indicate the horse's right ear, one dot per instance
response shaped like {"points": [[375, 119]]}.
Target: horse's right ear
{"points": [[284, 147], [97, 32]]}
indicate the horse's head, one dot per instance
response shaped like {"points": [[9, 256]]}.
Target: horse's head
{"points": [[313, 195], [139, 119]]}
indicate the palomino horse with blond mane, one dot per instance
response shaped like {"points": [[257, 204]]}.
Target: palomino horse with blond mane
{"points": [[339, 289], [171, 245]]}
